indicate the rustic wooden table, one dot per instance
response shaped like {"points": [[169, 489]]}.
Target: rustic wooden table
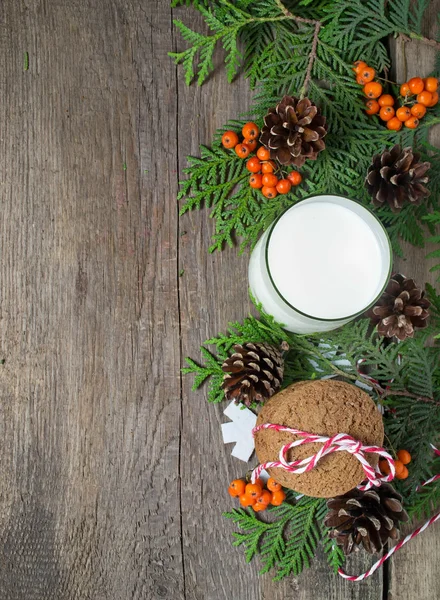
{"points": [[112, 471]]}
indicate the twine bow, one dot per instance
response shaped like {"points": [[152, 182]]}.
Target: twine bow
{"points": [[341, 442]]}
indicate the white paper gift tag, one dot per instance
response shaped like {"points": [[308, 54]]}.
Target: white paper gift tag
{"points": [[239, 430]]}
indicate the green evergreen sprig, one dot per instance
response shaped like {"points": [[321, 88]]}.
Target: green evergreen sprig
{"points": [[310, 52], [404, 378], [299, 48], [288, 540]]}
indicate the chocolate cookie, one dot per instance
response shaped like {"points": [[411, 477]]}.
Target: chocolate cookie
{"points": [[323, 407]]}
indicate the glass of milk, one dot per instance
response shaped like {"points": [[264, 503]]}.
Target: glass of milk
{"points": [[322, 263]]}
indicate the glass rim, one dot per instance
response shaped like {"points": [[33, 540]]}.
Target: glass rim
{"points": [[343, 318]]}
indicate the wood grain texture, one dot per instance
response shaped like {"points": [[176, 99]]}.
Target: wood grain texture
{"points": [[90, 390], [213, 291], [112, 470]]}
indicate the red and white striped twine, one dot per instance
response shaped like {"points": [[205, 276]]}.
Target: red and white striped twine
{"points": [[337, 443], [341, 442], [405, 540], [386, 556]]}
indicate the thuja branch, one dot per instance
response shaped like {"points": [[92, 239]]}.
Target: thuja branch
{"points": [[290, 15], [384, 393], [312, 54], [381, 392], [312, 57]]}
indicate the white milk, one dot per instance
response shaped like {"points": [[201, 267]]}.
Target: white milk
{"points": [[325, 261]]}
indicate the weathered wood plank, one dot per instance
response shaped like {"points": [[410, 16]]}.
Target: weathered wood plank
{"points": [[89, 504], [213, 291], [413, 570]]}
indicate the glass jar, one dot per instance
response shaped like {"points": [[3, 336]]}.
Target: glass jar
{"points": [[322, 263]]}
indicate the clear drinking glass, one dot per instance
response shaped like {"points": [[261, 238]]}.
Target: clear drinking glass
{"points": [[321, 264]]}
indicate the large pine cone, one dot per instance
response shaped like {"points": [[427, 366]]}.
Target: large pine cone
{"points": [[253, 373], [369, 518], [402, 307], [293, 131], [396, 176]]}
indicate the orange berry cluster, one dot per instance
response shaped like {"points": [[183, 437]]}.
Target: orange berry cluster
{"points": [[255, 494], [403, 459], [250, 133], [416, 96], [262, 168]]}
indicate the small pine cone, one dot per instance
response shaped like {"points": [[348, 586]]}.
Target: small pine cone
{"points": [[401, 308], [293, 131], [369, 518], [253, 373], [396, 176]]}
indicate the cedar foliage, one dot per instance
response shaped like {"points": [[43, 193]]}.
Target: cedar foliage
{"points": [[276, 44], [274, 49], [409, 392]]}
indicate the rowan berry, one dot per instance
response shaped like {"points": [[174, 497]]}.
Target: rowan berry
{"points": [[416, 85], [268, 166], [237, 487], [434, 99], [372, 107], [412, 123], [229, 139], [246, 500], [242, 150], [404, 90], [394, 124], [283, 186], [386, 100], [399, 466], [418, 111], [255, 181], [386, 113], [269, 192], [278, 498], [294, 177], [431, 84], [424, 98], [265, 497], [404, 456], [273, 485], [253, 165], [251, 143], [270, 180], [263, 153], [250, 131], [358, 66], [366, 75], [403, 474], [384, 467], [403, 113], [373, 89], [259, 507], [253, 490]]}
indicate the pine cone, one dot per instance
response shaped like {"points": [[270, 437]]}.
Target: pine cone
{"points": [[293, 131], [396, 176], [253, 373], [369, 518], [402, 307]]}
